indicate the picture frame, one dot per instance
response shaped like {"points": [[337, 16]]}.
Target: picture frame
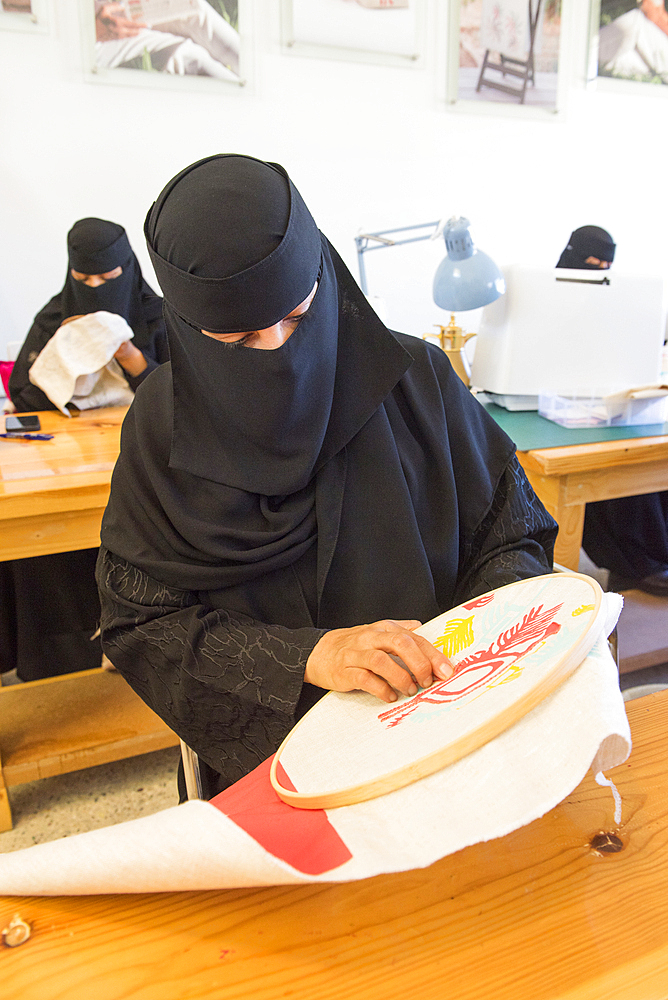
{"points": [[507, 56], [160, 43], [24, 15], [628, 47], [389, 32]]}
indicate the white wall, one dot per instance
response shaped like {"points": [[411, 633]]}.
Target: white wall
{"points": [[369, 146]]}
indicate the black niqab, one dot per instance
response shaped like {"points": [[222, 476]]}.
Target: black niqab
{"points": [[587, 241], [96, 246]]}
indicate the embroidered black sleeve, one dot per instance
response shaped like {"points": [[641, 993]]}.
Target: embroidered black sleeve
{"points": [[514, 541], [230, 687]]}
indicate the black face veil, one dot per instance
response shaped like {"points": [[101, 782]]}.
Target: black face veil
{"points": [[587, 241]]}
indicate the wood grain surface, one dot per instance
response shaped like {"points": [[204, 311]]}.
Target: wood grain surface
{"points": [[64, 723], [537, 915], [53, 493], [569, 477], [597, 455]]}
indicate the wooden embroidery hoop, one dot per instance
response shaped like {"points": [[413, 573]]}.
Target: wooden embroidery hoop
{"points": [[560, 670]]}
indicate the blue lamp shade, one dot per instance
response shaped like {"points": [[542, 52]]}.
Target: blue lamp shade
{"points": [[466, 278]]}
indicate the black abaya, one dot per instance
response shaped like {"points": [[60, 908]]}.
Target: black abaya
{"points": [[629, 536]]}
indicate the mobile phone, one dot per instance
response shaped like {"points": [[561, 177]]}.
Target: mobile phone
{"points": [[18, 423]]}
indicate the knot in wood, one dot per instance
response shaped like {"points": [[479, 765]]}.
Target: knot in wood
{"points": [[606, 843], [16, 932]]}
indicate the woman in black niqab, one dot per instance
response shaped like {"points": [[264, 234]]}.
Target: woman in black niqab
{"points": [[268, 501], [49, 608], [588, 248], [626, 535], [94, 247]]}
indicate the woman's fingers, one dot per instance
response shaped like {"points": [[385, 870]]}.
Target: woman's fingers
{"points": [[366, 680], [381, 658], [421, 657]]}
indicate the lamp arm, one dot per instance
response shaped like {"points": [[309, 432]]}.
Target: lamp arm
{"points": [[383, 239]]}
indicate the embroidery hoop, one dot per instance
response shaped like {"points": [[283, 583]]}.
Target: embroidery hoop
{"points": [[549, 663]]}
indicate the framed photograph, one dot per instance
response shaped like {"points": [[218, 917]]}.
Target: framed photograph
{"points": [[157, 41], [24, 15], [390, 31], [630, 41], [505, 53]]}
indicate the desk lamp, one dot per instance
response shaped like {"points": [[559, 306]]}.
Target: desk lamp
{"points": [[465, 279]]}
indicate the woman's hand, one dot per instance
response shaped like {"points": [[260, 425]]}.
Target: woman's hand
{"points": [[131, 359], [111, 23], [360, 659]]}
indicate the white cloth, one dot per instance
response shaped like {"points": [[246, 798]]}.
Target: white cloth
{"points": [[199, 44], [504, 28], [78, 365], [632, 45], [509, 782]]}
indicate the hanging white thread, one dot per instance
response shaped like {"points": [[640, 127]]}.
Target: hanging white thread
{"points": [[601, 779]]}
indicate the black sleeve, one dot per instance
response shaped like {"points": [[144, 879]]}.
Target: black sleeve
{"points": [[231, 687], [156, 352], [514, 541], [24, 395]]}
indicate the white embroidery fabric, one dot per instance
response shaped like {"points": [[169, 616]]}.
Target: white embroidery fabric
{"points": [[78, 365]]}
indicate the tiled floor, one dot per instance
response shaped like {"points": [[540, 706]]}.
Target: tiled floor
{"points": [[87, 800]]}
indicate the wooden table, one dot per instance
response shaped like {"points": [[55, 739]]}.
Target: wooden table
{"points": [[571, 466], [569, 477], [536, 915], [53, 493], [52, 497]]}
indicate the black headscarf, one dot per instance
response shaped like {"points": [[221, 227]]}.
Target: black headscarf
{"points": [[253, 437], [587, 241], [332, 457], [95, 246]]}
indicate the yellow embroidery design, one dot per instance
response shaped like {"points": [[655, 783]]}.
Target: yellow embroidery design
{"points": [[457, 636], [582, 610]]}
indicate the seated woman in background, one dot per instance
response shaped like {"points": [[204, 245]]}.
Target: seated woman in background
{"points": [[103, 275], [49, 607], [628, 535], [588, 248]]}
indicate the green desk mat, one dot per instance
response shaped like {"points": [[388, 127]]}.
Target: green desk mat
{"points": [[529, 430]]}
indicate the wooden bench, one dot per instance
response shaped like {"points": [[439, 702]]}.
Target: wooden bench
{"points": [[67, 723]]}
